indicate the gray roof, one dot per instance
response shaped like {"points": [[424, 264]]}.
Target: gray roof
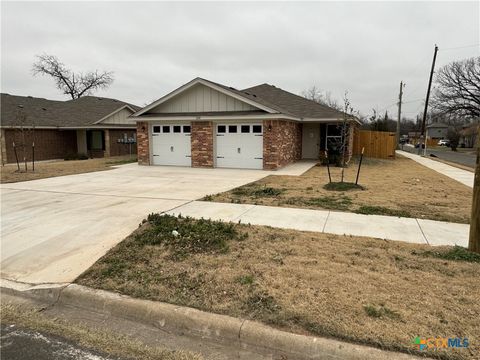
{"points": [[84, 111], [285, 102], [295, 105], [437, 125]]}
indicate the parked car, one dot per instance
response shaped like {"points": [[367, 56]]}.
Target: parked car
{"points": [[443, 142]]}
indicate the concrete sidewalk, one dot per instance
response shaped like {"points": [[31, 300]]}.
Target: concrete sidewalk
{"points": [[418, 231], [463, 176]]}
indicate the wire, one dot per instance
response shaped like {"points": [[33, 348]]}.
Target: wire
{"points": [[459, 47]]}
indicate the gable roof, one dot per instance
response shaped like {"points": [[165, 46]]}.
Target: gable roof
{"points": [[265, 97], [437, 125], [292, 104], [85, 111]]}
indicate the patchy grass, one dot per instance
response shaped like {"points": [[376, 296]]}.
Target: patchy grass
{"points": [[399, 187], [457, 253], [95, 339], [47, 169], [342, 186], [358, 289], [381, 210]]}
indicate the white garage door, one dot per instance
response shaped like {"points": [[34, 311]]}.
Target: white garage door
{"points": [[171, 145], [239, 146]]}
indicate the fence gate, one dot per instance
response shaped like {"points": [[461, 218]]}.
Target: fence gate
{"points": [[377, 144]]}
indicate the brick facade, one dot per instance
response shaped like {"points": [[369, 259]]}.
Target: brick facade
{"points": [[49, 144], [143, 149], [202, 144], [282, 143], [116, 148]]}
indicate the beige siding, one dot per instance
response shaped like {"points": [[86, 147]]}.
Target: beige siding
{"points": [[119, 118], [201, 98]]}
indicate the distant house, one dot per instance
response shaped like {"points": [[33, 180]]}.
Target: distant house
{"points": [[469, 135], [90, 125], [437, 131]]}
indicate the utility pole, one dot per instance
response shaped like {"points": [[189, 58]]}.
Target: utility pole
{"points": [[399, 113], [423, 134], [474, 242]]}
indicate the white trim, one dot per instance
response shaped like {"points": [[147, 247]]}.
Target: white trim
{"points": [[129, 126], [114, 112], [219, 117], [208, 84]]}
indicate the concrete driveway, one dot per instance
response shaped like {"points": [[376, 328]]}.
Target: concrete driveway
{"points": [[54, 229]]}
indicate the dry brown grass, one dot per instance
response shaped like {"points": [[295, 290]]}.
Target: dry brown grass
{"points": [[47, 169], [400, 187], [382, 293], [99, 340]]}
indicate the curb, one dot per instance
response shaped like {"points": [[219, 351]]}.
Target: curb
{"points": [[184, 321]]}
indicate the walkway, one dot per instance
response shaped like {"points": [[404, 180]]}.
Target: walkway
{"points": [[418, 231], [463, 176]]}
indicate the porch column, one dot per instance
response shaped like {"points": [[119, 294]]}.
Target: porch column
{"points": [[107, 142], [82, 141]]}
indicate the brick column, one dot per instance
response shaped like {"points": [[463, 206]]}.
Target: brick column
{"points": [[202, 144], [143, 145]]}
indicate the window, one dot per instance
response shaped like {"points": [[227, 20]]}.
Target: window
{"points": [[166, 129], [221, 129], [156, 129], [334, 130], [177, 128], [257, 129], [232, 128], [186, 129], [245, 129]]}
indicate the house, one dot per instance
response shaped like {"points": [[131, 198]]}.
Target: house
{"points": [[437, 131], [90, 125], [206, 124], [469, 135]]}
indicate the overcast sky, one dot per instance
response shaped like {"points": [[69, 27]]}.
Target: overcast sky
{"points": [[154, 47]]}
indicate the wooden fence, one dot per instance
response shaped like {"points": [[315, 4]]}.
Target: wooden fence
{"points": [[377, 144]]}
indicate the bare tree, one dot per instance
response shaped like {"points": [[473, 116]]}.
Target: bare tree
{"points": [[73, 84], [321, 97], [458, 88]]}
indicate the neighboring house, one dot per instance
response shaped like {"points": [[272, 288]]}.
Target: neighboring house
{"points": [[437, 131], [206, 124], [90, 125], [469, 135]]}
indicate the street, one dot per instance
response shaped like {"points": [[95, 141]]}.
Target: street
{"points": [[446, 154], [23, 344]]}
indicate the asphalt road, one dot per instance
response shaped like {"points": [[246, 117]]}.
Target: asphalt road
{"points": [[23, 344], [448, 155]]}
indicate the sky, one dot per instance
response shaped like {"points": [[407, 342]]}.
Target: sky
{"points": [[364, 48]]}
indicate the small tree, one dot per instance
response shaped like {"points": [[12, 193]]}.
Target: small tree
{"points": [[70, 83], [23, 132]]}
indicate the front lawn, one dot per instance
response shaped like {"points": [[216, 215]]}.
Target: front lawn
{"points": [[47, 169], [381, 293], [398, 187]]}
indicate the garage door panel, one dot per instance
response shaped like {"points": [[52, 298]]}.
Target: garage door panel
{"points": [[237, 146], [171, 145]]}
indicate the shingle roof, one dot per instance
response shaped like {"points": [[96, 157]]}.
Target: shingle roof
{"points": [[84, 111], [293, 104]]}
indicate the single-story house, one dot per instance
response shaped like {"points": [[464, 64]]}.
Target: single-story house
{"points": [[206, 124], [93, 126], [437, 131]]}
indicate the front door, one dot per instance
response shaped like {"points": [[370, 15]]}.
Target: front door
{"points": [[311, 141]]}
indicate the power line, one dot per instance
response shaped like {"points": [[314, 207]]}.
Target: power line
{"points": [[460, 47]]}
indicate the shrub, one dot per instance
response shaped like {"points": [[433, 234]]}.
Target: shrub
{"points": [[75, 156], [184, 236]]}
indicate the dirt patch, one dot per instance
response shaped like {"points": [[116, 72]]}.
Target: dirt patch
{"points": [[399, 188], [99, 340], [47, 169], [381, 293]]}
